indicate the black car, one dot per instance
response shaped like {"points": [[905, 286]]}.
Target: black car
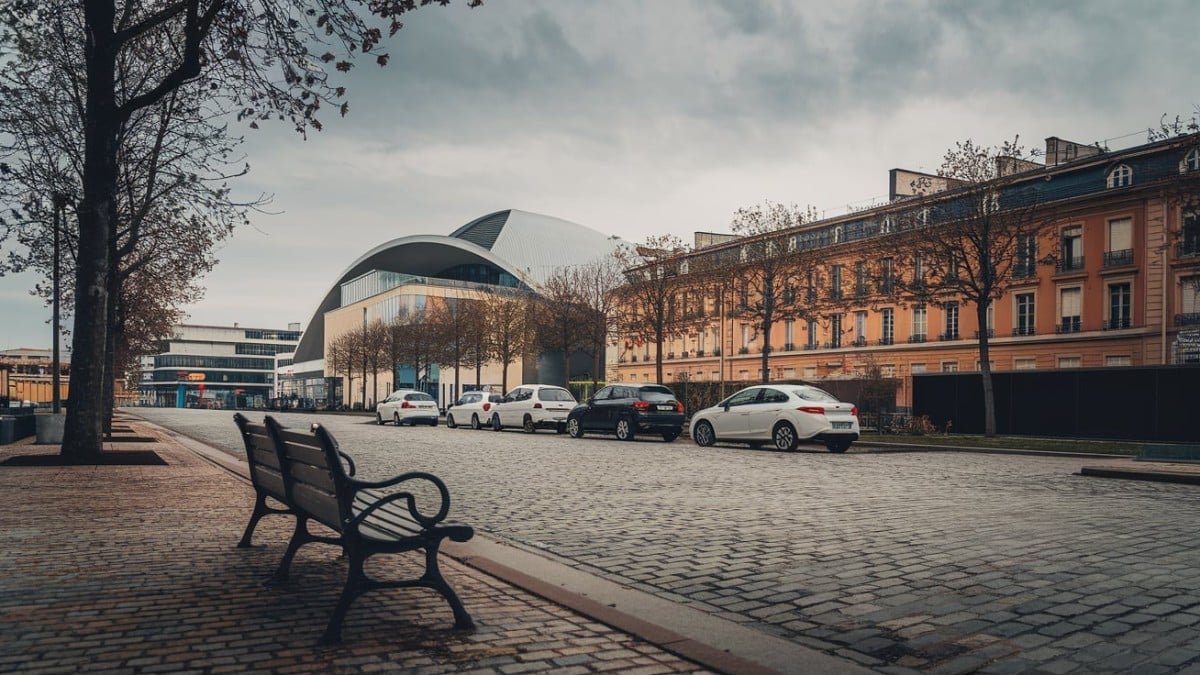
{"points": [[627, 410]]}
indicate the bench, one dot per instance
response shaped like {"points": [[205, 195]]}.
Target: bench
{"points": [[367, 518]]}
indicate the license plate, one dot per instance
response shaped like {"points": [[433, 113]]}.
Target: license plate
{"points": [[666, 407], [843, 425]]}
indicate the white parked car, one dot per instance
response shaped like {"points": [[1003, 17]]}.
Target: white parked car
{"points": [[474, 408], [782, 414], [407, 406], [532, 407]]}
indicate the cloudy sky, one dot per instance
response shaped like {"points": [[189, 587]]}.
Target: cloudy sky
{"points": [[649, 117]]}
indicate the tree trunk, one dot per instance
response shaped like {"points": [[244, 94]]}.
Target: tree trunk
{"points": [[985, 372], [82, 434], [115, 329], [765, 369]]}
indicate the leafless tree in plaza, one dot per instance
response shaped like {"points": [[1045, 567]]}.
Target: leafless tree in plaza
{"points": [[647, 297]]}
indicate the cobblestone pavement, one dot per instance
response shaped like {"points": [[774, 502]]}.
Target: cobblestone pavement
{"points": [[908, 562], [133, 569]]}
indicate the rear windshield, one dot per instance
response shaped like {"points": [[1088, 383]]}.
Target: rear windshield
{"points": [[656, 393], [418, 397], [556, 395], [814, 394]]}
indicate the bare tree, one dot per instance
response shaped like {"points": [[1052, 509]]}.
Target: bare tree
{"points": [[259, 55], [597, 283], [510, 328], [971, 243], [647, 298], [478, 348], [449, 323], [770, 271], [414, 345], [562, 319]]}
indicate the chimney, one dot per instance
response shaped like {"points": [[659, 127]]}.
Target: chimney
{"points": [[1061, 151]]}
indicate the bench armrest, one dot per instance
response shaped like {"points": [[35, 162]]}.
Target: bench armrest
{"points": [[409, 499]]}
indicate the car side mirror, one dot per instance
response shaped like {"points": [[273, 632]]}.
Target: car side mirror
{"points": [[726, 407]]}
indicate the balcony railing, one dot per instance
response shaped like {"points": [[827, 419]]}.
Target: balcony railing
{"points": [[1069, 324], [670, 355], [809, 346], [1189, 319], [699, 353], [860, 290], [833, 344], [949, 336], [1118, 258], [835, 295], [684, 355], [1069, 265], [1187, 249], [1024, 330], [991, 332], [916, 339], [1117, 323], [886, 341], [789, 347], [717, 351], [633, 359], [859, 342]]}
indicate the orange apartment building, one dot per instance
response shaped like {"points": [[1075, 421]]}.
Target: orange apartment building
{"points": [[1123, 289]]}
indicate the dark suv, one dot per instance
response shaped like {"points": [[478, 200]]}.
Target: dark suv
{"points": [[627, 410]]}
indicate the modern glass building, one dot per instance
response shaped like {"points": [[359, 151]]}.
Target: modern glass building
{"points": [[508, 249], [215, 367]]}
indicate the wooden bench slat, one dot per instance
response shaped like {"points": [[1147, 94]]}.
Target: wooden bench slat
{"points": [[265, 456], [317, 477], [305, 454], [320, 505]]}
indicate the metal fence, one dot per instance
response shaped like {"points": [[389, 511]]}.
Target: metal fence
{"points": [[1150, 403]]}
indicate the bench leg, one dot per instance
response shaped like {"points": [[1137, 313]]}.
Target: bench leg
{"points": [[260, 510], [433, 576], [300, 537], [356, 584]]}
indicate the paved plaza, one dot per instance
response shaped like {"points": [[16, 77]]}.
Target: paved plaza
{"points": [[938, 562]]}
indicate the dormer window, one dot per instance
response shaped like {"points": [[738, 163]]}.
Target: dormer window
{"points": [[791, 245], [1120, 176], [1191, 161]]}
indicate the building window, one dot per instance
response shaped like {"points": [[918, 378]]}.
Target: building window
{"points": [[743, 375], [887, 332], [791, 245], [1026, 265], [747, 338], [1191, 161], [810, 372], [918, 368], [918, 271], [887, 370], [860, 278], [1070, 361], [812, 334], [949, 366], [1189, 303], [789, 335], [1119, 360], [860, 328], [835, 331], [1119, 306], [1025, 314], [1120, 243], [835, 283], [1070, 306], [991, 319], [951, 327], [1071, 249], [886, 278], [920, 324], [1189, 244], [1120, 176], [1025, 363]]}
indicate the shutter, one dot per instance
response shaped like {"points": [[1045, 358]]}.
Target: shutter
{"points": [[1070, 302], [1120, 235]]}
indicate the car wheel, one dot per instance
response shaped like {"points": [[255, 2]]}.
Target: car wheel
{"points": [[838, 446], [574, 428], [625, 429], [475, 421], [496, 423], [396, 419], [784, 436], [703, 434], [527, 425], [669, 436], [378, 419], [450, 421]]}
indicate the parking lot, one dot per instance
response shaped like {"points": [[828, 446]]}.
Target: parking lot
{"points": [[905, 561]]}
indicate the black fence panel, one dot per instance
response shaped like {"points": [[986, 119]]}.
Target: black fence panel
{"points": [[1152, 403]]}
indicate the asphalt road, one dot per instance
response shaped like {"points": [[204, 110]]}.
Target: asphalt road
{"points": [[935, 562]]}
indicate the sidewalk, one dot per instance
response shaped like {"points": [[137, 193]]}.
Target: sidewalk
{"points": [[135, 569]]}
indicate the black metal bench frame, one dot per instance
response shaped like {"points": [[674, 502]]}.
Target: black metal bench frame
{"points": [[367, 517]]}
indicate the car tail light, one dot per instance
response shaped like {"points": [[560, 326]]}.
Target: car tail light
{"points": [[537, 405], [812, 410], [678, 406], [854, 411], [487, 407], [406, 404], [641, 405]]}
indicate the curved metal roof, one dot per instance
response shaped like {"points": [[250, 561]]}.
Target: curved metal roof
{"points": [[528, 246]]}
